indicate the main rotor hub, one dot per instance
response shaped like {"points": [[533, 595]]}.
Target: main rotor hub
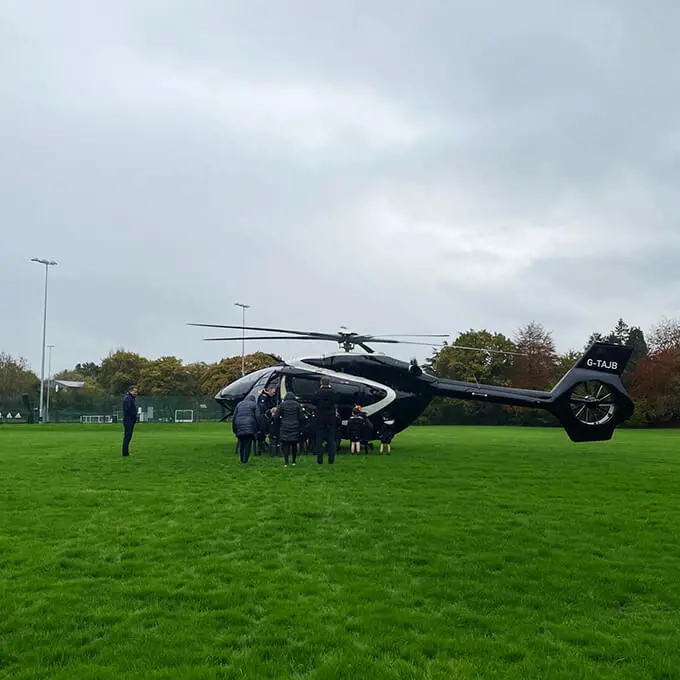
{"points": [[346, 344]]}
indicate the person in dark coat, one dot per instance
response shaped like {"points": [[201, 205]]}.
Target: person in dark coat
{"points": [[307, 437], [338, 430], [129, 417], [244, 425], [291, 424], [325, 401], [386, 433], [274, 444], [355, 427], [265, 401], [366, 433]]}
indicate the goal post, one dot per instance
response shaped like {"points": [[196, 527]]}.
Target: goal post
{"points": [[184, 415], [88, 420]]}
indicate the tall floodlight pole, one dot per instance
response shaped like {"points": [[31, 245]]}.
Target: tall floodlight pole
{"points": [[49, 382], [48, 264], [243, 341]]}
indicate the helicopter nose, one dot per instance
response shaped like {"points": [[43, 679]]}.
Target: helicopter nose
{"points": [[231, 394]]}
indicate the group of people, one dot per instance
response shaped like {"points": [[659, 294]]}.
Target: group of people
{"points": [[291, 427]]}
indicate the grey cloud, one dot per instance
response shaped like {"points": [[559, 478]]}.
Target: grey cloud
{"points": [[176, 157]]}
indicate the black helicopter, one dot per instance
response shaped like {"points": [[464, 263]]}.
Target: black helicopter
{"points": [[589, 401]]}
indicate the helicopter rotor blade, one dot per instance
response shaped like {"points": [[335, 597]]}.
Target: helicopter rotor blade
{"points": [[408, 335], [265, 337], [484, 349], [366, 348], [396, 342], [359, 342], [320, 336]]}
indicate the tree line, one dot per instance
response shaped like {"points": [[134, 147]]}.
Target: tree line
{"points": [[531, 361], [105, 382]]}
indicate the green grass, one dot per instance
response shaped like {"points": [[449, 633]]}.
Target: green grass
{"points": [[469, 553]]}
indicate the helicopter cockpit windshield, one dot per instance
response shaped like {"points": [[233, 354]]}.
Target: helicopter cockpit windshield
{"points": [[230, 395]]}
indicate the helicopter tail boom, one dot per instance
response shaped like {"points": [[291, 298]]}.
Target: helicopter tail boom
{"points": [[589, 401]]}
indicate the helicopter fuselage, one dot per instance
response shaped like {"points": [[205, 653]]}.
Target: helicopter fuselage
{"points": [[376, 382], [589, 400]]}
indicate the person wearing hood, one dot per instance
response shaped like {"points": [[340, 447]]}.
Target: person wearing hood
{"points": [[291, 423], [244, 425]]}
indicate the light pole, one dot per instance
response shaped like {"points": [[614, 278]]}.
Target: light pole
{"points": [[49, 381], [243, 341], [48, 264]]}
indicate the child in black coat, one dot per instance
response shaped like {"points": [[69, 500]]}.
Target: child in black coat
{"points": [[355, 429], [386, 433]]}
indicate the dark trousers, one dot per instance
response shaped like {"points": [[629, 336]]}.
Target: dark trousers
{"points": [[244, 444], [127, 437], [289, 449], [325, 433]]}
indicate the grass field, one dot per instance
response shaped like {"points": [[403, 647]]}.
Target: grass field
{"points": [[468, 553]]}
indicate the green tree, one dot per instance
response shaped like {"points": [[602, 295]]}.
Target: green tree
{"points": [[565, 362], [458, 363], [196, 374], [121, 369], [619, 334], [492, 367], [594, 337], [89, 369], [16, 378], [633, 336], [163, 377]]}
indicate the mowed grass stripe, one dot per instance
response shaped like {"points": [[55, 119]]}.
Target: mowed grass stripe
{"points": [[469, 552]]}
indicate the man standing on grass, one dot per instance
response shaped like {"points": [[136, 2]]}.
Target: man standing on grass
{"points": [[129, 418], [325, 401]]}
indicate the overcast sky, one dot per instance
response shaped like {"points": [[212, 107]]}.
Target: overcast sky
{"points": [[395, 167]]}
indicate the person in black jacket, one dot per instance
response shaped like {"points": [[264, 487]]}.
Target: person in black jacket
{"points": [[291, 424], [325, 400], [129, 418], [265, 401], [355, 427], [274, 444], [307, 436], [244, 425], [386, 433], [366, 433]]}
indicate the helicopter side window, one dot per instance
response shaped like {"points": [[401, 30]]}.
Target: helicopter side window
{"points": [[357, 393], [303, 387]]}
